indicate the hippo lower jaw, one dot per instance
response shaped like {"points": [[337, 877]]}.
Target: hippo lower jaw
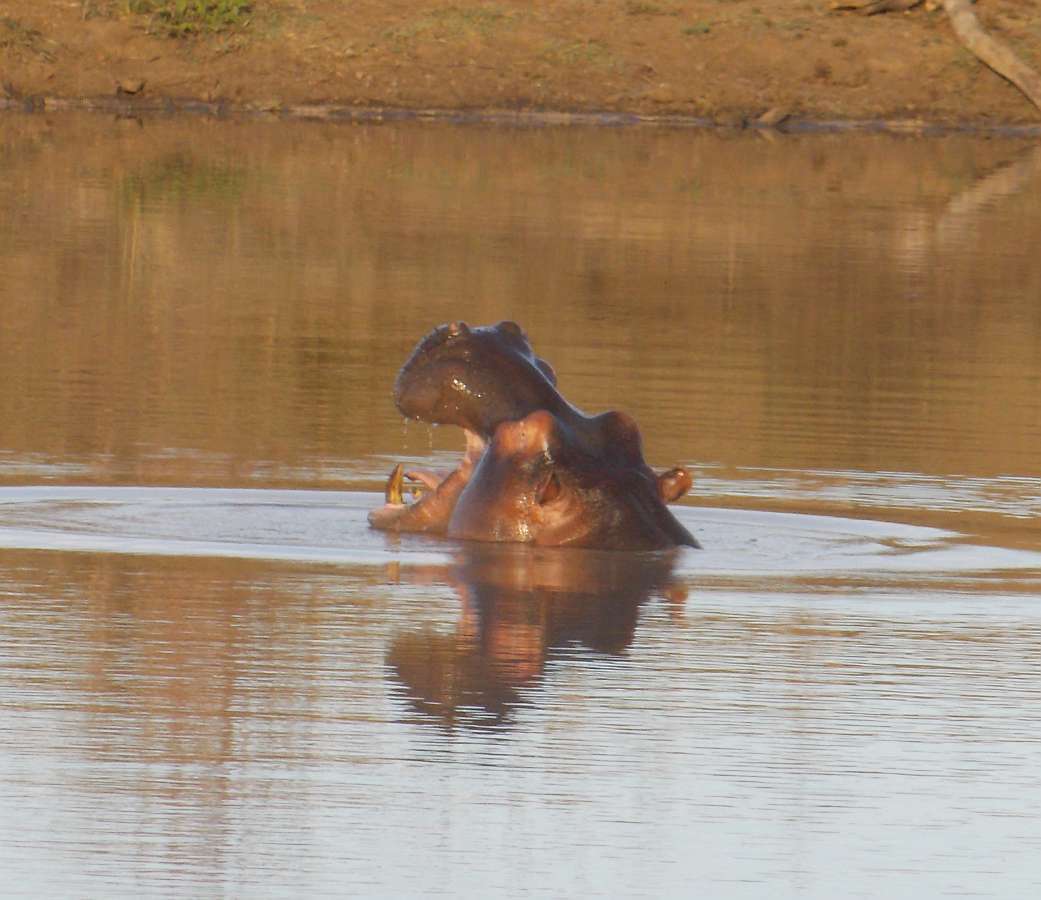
{"points": [[436, 496]]}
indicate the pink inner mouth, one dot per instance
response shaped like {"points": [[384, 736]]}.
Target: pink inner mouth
{"points": [[475, 447]]}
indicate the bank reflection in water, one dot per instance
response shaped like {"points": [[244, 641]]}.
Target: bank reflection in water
{"points": [[520, 606], [205, 303]]}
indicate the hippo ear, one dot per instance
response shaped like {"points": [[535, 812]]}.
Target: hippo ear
{"points": [[512, 328], [674, 484]]}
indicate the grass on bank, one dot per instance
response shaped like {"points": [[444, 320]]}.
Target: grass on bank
{"points": [[16, 35], [181, 18]]}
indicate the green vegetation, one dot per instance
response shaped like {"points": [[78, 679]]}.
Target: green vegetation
{"points": [[642, 8], [451, 23], [578, 53], [180, 18]]}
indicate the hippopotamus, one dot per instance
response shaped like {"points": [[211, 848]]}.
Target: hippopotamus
{"points": [[536, 469]]}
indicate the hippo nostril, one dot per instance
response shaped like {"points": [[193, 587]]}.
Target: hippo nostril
{"points": [[455, 329]]}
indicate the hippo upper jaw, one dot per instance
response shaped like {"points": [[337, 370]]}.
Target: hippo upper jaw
{"points": [[475, 378]]}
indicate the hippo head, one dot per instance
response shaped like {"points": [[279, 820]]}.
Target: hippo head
{"points": [[474, 378], [536, 469]]}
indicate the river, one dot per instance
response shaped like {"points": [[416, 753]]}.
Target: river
{"points": [[216, 680]]}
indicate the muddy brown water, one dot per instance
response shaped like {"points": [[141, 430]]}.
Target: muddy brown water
{"points": [[216, 680]]}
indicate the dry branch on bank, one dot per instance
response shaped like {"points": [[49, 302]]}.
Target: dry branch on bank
{"points": [[986, 48], [992, 52], [874, 7]]}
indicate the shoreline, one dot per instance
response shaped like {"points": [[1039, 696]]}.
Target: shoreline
{"points": [[773, 121], [712, 64]]}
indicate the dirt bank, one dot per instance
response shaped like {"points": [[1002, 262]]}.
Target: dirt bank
{"points": [[725, 60]]}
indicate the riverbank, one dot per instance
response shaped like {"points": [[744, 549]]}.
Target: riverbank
{"points": [[717, 61]]}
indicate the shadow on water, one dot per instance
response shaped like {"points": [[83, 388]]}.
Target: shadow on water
{"points": [[519, 608]]}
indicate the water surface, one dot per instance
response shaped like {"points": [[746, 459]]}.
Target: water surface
{"points": [[216, 680]]}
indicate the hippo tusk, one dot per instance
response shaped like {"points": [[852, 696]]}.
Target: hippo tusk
{"points": [[392, 493], [419, 481]]}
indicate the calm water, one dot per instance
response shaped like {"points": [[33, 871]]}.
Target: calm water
{"points": [[215, 680]]}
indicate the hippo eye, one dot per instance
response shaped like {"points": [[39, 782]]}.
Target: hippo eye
{"points": [[549, 490], [546, 370]]}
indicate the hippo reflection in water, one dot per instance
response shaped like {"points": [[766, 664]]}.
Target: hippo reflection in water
{"points": [[536, 470], [520, 607]]}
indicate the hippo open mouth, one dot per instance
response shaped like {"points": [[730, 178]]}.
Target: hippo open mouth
{"points": [[535, 468]]}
